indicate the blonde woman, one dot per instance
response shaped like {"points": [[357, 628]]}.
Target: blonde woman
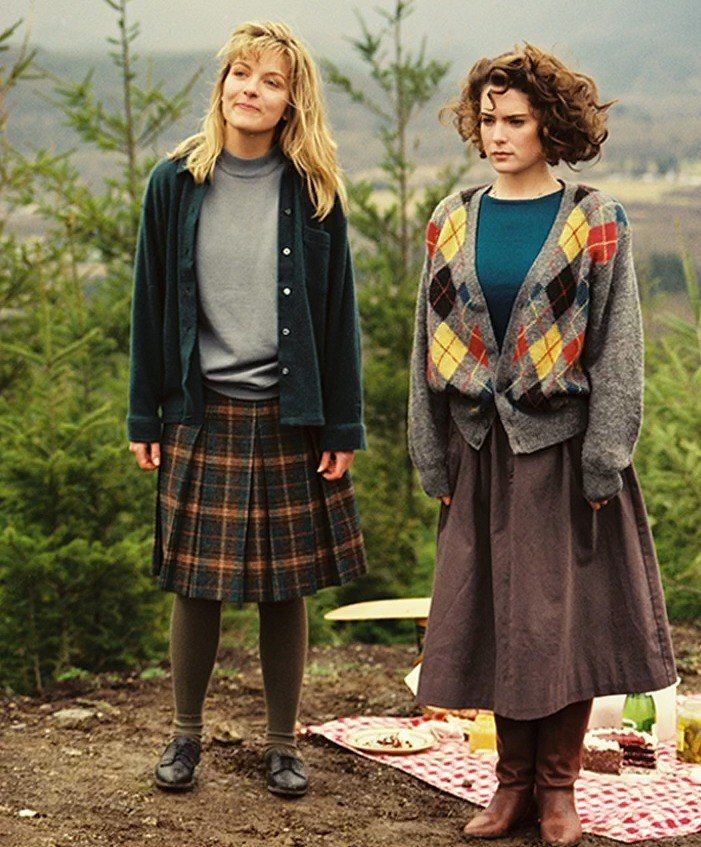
{"points": [[245, 388], [525, 407]]}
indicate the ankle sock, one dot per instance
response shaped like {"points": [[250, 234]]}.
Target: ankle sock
{"points": [[188, 726]]}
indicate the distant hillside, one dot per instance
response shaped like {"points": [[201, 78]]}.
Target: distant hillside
{"points": [[659, 113]]}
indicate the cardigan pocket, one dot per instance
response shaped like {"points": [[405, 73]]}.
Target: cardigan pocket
{"points": [[531, 394], [317, 250], [316, 236]]}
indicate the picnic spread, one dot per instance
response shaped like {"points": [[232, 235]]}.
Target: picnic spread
{"points": [[641, 774], [653, 794]]}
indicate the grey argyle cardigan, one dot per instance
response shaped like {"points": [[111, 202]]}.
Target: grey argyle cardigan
{"points": [[572, 356]]}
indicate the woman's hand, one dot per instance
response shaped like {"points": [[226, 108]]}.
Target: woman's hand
{"points": [[148, 455], [597, 504], [334, 463], [445, 500]]}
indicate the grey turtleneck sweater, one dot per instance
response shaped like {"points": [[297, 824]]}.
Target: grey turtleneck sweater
{"points": [[236, 259]]}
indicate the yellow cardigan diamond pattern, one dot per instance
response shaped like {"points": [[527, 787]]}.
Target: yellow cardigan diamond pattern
{"points": [[575, 233], [447, 351], [452, 235], [546, 351]]}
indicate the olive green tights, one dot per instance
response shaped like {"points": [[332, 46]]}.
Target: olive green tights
{"points": [[194, 638]]}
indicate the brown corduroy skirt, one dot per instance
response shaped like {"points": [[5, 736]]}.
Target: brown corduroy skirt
{"points": [[243, 515], [539, 601]]}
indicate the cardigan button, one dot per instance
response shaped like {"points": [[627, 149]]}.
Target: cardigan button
{"points": [[285, 331], [288, 211], [286, 291], [285, 370], [286, 251]]}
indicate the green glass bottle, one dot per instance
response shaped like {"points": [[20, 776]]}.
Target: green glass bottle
{"points": [[640, 712]]}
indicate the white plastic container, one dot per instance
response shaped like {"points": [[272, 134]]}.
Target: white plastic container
{"points": [[608, 711]]}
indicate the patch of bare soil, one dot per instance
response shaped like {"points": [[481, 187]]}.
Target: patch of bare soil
{"points": [[83, 787]]}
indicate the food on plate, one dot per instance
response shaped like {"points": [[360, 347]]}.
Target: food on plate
{"points": [[386, 739], [396, 740], [639, 748]]}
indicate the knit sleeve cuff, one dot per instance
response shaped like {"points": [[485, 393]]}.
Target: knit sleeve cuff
{"points": [[343, 437], [600, 485], [434, 481], [145, 430]]}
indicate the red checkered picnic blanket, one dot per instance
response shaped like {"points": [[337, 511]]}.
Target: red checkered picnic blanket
{"points": [[630, 807]]}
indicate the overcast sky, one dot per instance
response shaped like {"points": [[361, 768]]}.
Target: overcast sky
{"points": [[481, 26]]}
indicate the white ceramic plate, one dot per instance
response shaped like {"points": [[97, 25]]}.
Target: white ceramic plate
{"points": [[389, 740]]}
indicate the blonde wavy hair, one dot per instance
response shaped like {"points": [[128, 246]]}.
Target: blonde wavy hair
{"points": [[304, 138], [572, 120]]}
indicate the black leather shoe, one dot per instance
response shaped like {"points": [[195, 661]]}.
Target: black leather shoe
{"points": [[286, 774], [176, 770]]}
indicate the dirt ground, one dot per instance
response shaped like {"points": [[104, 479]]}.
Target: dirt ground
{"points": [[92, 786]]}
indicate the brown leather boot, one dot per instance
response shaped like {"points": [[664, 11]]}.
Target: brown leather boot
{"points": [[558, 761], [513, 800]]}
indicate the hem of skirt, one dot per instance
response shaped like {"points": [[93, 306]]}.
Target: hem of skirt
{"points": [[486, 702], [279, 596]]}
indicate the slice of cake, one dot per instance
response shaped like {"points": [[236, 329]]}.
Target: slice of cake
{"points": [[639, 748], [601, 755]]}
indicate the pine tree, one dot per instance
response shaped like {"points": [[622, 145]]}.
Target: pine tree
{"points": [[76, 514], [668, 455], [390, 218]]}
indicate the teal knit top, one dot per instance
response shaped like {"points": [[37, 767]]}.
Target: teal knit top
{"points": [[510, 234]]}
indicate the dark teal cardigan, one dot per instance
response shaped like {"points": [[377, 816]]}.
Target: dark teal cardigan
{"points": [[320, 359]]}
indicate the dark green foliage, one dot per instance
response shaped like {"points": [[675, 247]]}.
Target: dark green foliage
{"points": [[389, 219], [76, 514], [668, 456]]}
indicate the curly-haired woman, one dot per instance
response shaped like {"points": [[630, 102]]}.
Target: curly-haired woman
{"points": [[245, 336], [525, 407]]}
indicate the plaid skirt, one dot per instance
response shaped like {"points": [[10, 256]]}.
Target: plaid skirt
{"points": [[242, 514]]}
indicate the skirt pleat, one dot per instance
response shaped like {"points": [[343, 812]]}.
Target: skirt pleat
{"points": [[244, 515]]}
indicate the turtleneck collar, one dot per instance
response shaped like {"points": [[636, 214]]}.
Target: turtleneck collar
{"points": [[260, 166]]}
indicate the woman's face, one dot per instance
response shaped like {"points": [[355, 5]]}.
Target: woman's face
{"points": [[509, 131], [256, 93]]}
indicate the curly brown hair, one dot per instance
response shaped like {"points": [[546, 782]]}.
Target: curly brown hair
{"points": [[572, 123]]}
